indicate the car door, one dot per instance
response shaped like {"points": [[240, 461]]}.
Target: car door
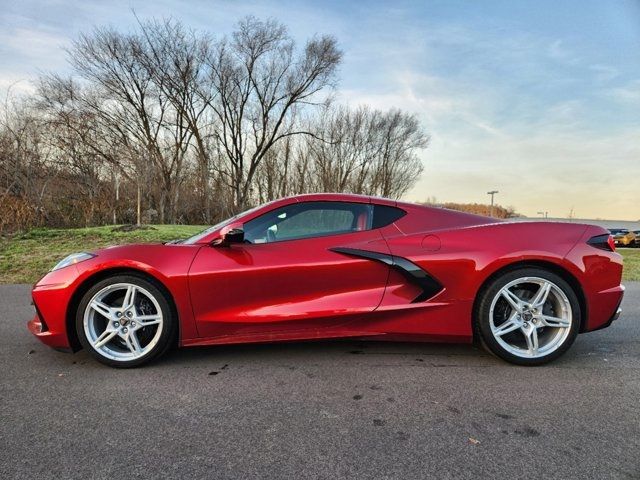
{"points": [[285, 277]]}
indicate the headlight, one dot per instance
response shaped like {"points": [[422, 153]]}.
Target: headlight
{"points": [[72, 259]]}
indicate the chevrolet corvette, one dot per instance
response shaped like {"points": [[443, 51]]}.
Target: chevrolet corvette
{"points": [[622, 237], [330, 266]]}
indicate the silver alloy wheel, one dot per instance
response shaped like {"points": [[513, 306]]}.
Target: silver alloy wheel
{"points": [[530, 317], [123, 322]]}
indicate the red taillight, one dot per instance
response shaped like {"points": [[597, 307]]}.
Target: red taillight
{"points": [[603, 242]]}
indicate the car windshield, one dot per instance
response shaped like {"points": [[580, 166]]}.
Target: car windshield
{"points": [[199, 236], [618, 231]]}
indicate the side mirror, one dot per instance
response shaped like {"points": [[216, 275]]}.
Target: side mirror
{"points": [[235, 235], [229, 235]]}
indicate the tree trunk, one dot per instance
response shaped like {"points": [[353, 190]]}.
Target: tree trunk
{"points": [[117, 201], [138, 205]]}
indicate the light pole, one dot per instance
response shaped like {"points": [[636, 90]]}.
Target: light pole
{"points": [[543, 214], [492, 193]]}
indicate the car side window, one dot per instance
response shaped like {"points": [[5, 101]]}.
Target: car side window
{"points": [[308, 220], [384, 215]]}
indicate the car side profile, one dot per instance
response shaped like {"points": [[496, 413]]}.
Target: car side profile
{"points": [[330, 266]]}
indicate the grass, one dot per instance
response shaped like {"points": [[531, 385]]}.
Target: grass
{"points": [[25, 258], [631, 270]]}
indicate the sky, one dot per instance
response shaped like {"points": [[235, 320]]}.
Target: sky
{"points": [[539, 100]]}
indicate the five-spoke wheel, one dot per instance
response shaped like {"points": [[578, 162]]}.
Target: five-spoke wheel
{"points": [[528, 316], [124, 321]]}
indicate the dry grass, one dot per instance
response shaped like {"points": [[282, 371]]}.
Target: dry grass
{"points": [[27, 257], [631, 270]]}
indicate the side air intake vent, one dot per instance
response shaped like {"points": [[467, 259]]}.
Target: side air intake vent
{"points": [[416, 275]]}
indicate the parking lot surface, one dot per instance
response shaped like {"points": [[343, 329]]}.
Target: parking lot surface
{"points": [[320, 410]]}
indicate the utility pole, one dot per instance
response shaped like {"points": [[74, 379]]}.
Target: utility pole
{"points": [[492, 193]]}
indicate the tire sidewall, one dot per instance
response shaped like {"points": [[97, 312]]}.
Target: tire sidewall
{"points": [[168, 328], [482, 315]]}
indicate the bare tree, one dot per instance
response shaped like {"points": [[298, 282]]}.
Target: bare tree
{"points": [[365, 151], [25, 170], [176, 59], [86, 139], [173, 122], [259, 82], [131, 102], [397, 165]]}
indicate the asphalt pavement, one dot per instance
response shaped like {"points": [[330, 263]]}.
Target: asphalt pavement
{"points": [[320, 410]]}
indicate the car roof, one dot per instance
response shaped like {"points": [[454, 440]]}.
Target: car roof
{"points": [[343, 197]]}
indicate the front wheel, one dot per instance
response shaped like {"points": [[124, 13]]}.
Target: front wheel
{"points": [[125, 321], [528, 316]]}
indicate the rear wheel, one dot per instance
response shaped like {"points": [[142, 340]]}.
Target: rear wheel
{"points": [[125, 321], [528, 316]]}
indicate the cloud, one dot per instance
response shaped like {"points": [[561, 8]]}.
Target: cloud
{"points": [[15, 84], [26, 49], [604, 73], [32, 43], [558, 50], [629, 94]]}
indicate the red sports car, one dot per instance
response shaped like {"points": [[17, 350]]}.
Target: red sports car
{"points": [[338, 266]]}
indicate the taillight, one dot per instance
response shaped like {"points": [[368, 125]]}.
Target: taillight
{"points": [[603, 242]]}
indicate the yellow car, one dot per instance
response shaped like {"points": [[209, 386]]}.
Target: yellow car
{"points": [[623, 237]]}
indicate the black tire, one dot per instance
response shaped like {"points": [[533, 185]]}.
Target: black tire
{"points": [[168, 334], [482, 324]]}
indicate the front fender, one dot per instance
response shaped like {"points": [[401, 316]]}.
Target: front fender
{"points": [[57, 294]]}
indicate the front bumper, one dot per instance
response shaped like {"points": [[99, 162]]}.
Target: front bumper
{"points": [[52, 333], [51, 297]]}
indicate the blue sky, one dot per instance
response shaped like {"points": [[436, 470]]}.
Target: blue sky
{"points": [[537, 99]]}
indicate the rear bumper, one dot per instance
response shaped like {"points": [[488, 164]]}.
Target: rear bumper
{"points": [[606, 308], [616, 314]]}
